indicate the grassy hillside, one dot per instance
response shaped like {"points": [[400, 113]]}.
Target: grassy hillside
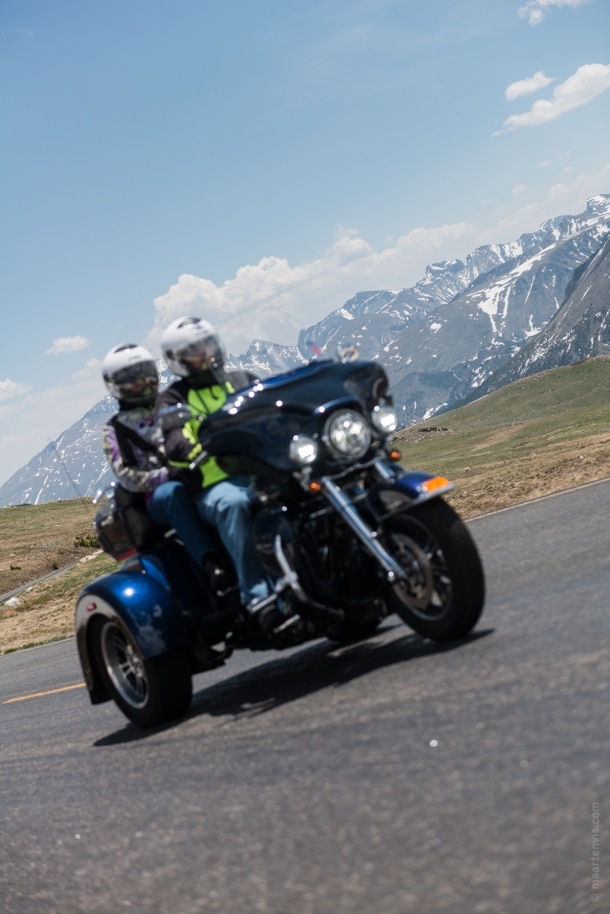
{"points": [[532, 438], [536, 436], [37, 539]]}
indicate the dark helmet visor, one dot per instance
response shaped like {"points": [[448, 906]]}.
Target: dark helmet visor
{"points": [[142, 372], [206, 351]]}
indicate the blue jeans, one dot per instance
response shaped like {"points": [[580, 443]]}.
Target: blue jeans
{"points": [[171, 506], [227, 505]]}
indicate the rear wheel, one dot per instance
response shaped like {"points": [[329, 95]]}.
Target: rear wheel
{"points": [[443, 594], [148, 692]]}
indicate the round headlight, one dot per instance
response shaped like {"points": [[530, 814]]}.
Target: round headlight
{"points": [[303, 449], [349, 433], [385, 419]]}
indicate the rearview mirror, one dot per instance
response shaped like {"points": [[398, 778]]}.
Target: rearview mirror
{"points": [[347, 353]]}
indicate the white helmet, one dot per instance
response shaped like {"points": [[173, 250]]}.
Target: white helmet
{"points": [[131, 375], [190, 346]]}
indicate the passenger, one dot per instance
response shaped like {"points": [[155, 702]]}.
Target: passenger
{"points": [[133, 443]]}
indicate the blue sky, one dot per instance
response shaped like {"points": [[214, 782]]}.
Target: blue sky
{"points": [[258, 162]]}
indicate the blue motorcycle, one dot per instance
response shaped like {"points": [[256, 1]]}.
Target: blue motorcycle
{"points": [[346, 535]]}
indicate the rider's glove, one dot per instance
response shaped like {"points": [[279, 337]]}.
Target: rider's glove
{"points": [[192, 479]]}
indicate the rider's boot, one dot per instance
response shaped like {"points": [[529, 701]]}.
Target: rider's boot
{"points": [[272, 614]]}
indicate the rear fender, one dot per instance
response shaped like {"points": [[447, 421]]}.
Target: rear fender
{"points": [[140, 604]]}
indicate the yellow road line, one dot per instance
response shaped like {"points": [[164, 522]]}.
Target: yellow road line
{"points": [[9, 701]]}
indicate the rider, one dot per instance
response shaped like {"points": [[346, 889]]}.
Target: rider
{"points": [[133, 443], [192, 349]]}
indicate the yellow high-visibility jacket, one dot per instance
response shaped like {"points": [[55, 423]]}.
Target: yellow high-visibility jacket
{"points": [[182, 444]]}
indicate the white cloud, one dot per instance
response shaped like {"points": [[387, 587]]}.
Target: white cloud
{"points": [[93, 368], [582, 185], [526, 86], [519, 189], [262, 301], [569, 196], [589, 81], [66, 344], [46, 413], [11, 389], [535, 10]]}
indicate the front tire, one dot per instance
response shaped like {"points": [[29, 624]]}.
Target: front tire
{"points": [[148, 692], [444, 593]]}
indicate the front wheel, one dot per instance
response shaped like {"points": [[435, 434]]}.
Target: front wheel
{"points": [[149, 692], [443, 593]]}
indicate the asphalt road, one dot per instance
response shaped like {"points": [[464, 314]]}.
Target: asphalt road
{"points": [[387, 777]]}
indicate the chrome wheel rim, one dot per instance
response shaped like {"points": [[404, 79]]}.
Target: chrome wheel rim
{"points": [[124, 666], [427, 592]]}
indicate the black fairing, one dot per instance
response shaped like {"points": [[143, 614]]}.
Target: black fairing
{"points": [[253, 429]]}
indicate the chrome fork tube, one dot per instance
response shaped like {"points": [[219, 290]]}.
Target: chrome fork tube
{"points": [[343, 506]]}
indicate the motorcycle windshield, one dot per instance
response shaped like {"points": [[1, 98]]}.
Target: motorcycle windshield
{"points": [[261, 420], [311, 387]]}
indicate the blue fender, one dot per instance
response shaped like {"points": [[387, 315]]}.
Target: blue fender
{"points": [[421, 486], [411, 487], [139, 598]]}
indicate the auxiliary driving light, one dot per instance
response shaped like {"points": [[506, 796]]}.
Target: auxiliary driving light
{"points": [[303, 450], [385, 419]]}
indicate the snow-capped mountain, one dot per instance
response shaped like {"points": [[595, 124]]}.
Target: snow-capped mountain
{"points": [[73, 465], [579, 330], [441, 340], [436, 363]]}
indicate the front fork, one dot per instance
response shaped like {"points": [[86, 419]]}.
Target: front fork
{"points": [[368, 537]]}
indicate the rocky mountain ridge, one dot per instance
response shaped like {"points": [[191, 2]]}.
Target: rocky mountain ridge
{"points": [[441, 341], [579, 330]]}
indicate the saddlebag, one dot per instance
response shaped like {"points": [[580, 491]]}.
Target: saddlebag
{"points": [[122, 524]]}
